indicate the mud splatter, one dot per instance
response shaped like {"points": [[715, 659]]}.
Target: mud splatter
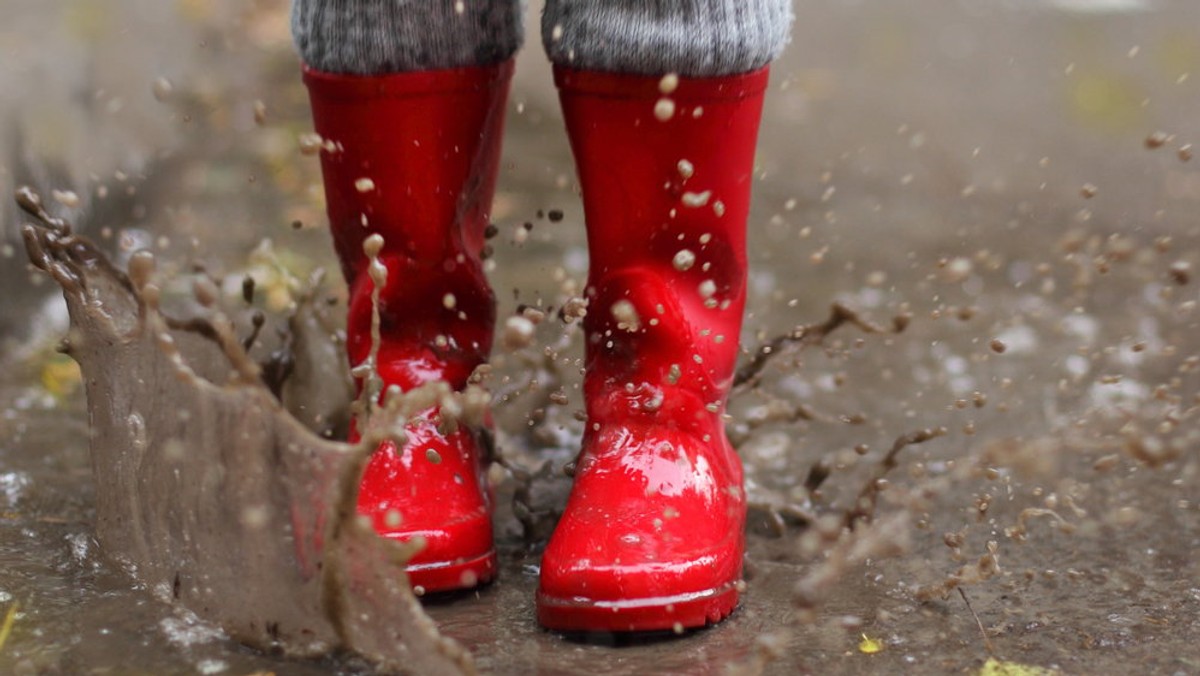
{"points": [[211, 489]]}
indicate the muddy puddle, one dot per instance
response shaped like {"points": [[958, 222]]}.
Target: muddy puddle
{"points": [[974, 248]]}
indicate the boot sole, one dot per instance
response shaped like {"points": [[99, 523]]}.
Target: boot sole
{"points": [[662, 613], [444, 576]]}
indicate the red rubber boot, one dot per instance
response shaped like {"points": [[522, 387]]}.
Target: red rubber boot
{"points": [[652, 538], [413, 157]]}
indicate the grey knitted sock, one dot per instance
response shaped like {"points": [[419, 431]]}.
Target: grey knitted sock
{"points": [[696, 38], [368, 37]]}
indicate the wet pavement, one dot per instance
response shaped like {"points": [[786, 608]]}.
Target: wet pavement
{"points": [[1011, 178]]}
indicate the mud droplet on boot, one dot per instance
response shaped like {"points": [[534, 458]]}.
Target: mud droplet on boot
{"points": [[364, 185], [626, 315], [433, 456], [668, 83], [696, 200], [378, 272], [373, 245], [686, 169], [664, 109], [684, 260]]}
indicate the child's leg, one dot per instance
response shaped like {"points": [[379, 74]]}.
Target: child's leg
{"points": [[408, 99], [662, 103], [693, 38], [368, 37]]}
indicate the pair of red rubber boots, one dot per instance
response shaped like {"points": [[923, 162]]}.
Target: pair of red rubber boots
{"points": [[652, 535]]}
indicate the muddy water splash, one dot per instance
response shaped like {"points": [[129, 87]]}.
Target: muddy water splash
{"points": [[210, 493]]}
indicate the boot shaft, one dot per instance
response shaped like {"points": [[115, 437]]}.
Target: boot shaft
{"points": [[413, 157], [666, 166]]}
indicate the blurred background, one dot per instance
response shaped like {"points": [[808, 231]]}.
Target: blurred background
{"points": [[944, 107]]}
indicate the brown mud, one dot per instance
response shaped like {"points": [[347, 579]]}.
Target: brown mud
{"points": [[209, 492], [987, 449]]}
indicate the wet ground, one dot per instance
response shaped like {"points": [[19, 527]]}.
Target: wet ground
{"points": [[1012, 178]]}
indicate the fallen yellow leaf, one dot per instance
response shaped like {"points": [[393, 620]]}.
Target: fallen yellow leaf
{"points": [[995, 667], [869, 646], [60, 375], [9, 618]]}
